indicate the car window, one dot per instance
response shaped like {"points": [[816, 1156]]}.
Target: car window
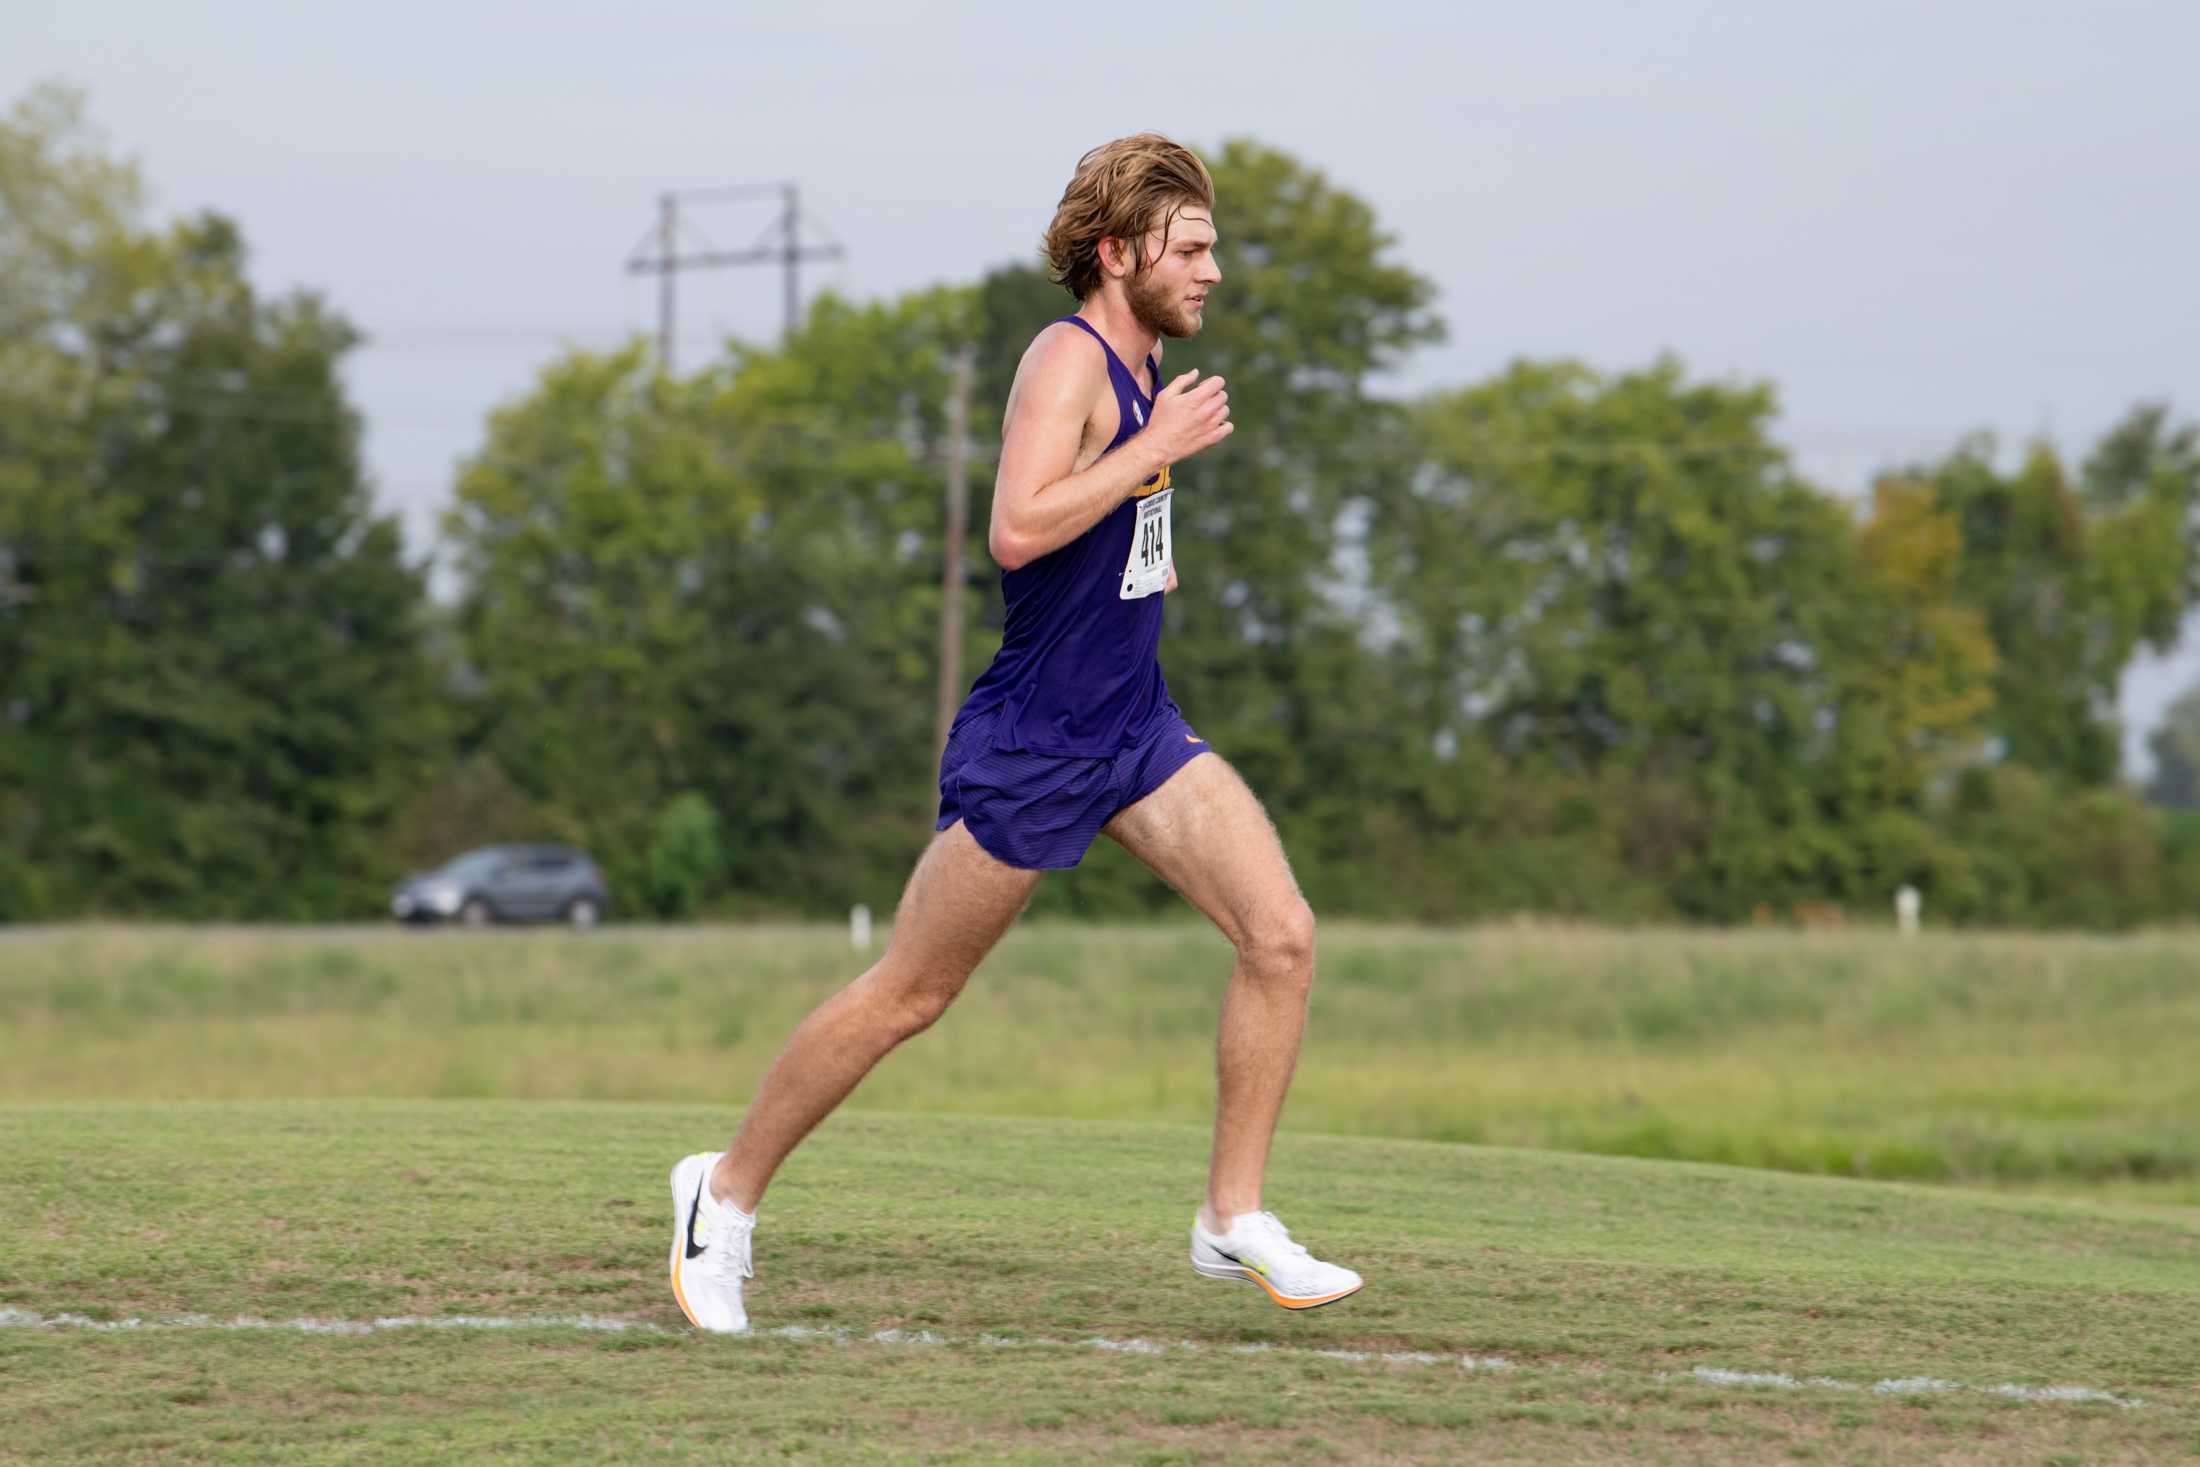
{"points": [[475, 865]]}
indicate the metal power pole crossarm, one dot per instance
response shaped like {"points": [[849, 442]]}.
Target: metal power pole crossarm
{"points": [[665, 261]]}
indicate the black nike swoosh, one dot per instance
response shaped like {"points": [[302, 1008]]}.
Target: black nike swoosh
{"points": [[1231, 1256], [695, 1249]]}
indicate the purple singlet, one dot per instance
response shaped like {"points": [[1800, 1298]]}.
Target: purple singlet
{"points": [[1078, 672], [1072, 724]]}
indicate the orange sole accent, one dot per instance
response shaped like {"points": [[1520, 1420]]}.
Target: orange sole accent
{"points": [[677, 1294], [1304, 1303], [681, 1295]]}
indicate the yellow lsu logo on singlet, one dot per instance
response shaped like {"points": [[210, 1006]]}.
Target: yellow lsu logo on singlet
{"points": [[1155, 484]]}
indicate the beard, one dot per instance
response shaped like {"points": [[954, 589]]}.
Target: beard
{"points": [[1155, 309]]}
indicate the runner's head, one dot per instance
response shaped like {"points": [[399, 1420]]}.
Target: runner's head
{"points": [[1139, 217]]}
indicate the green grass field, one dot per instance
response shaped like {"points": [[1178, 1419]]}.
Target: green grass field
{"points": [[1549, 1308], [2036, 1062], [226, 1155]]}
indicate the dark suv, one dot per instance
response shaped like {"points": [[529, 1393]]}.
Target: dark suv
{"points": [[507, 884]]}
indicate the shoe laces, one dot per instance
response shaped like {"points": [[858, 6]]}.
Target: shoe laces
{"points": [[1271, 1231], [728, 1259]]}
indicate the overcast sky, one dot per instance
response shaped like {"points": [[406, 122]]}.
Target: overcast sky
{"points": [[1917, 219]]}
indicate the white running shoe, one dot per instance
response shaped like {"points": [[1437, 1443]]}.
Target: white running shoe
{"points": [[1259, 1250], [710, 1249]]}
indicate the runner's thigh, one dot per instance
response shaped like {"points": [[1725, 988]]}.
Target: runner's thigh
{"points": [[1206, 834], [958, 903]]}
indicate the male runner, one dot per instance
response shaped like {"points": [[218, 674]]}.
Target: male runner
{"points": [[1071, 733]]}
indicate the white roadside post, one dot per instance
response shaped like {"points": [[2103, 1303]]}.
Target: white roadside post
{"points": [[1907, 905], [859, 927]]}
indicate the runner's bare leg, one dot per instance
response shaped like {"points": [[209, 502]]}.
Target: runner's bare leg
{"points": [[1205, 834], [958, 903]]}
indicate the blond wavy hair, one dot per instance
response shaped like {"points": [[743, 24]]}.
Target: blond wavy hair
{"points": [[1120, 191]]}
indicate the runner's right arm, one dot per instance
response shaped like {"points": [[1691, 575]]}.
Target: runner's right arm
{"points": [[1041, 499]]}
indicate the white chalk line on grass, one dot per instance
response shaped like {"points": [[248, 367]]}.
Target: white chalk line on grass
{"points": [[1915, 1385], [25, 1319], [608, 1324]]}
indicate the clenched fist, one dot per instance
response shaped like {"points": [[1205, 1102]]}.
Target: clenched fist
{"points": [[1189, 415]]}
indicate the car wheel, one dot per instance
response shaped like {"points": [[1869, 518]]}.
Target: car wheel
{"points": [[583, 912], [475, 913]]}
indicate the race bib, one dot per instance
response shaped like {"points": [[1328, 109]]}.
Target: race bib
{"points": [[1147, 571]]}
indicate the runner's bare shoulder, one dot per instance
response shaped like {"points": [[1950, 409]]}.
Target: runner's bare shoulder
{"points": [[1062, 376]]}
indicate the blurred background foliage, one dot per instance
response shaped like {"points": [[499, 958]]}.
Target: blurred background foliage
{"points": [[1566, 640]]}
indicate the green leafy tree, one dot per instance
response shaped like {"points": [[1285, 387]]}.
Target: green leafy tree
{"points": [[727, 584], [1620, 588], [215, 691], [1562, 640], [469, 802], [2073, 576], [687, 856], [1929, 658], [2044, 855], [2175, 745]]}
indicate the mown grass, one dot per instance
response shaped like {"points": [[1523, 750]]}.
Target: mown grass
{"points": [[1602, 1283], [2047, 1062]]}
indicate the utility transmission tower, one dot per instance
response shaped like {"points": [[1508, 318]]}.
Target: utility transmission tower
{"points": [[658, 252]]}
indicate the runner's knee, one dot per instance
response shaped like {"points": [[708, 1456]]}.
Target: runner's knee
{"points": [[910, 1009], [1278, 946]]}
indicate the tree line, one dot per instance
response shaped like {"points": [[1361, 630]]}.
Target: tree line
{"points": [[1563, 640]]}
